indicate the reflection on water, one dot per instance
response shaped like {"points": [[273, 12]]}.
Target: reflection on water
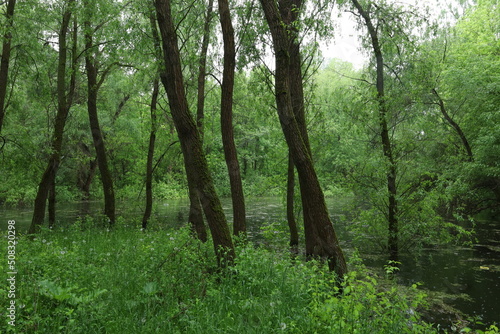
{"points": [[462, 272]]}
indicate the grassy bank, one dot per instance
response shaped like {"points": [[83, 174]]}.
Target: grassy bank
{"points": [[89, 280]]}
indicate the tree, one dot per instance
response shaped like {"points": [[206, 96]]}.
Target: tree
{"points": [[391, 172], [321, 240], [151, 150], [467, 86], [64, 102], [4, 63], [195, 210], [195, 162], [202, 69], [94, 82], [233, 166]]}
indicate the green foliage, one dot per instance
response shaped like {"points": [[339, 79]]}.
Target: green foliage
{"points": [[387, 309], [476, 324], [83, 279]]}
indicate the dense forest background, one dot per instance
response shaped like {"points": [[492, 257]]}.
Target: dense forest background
{"points": [[134, 103], [437, 161]]}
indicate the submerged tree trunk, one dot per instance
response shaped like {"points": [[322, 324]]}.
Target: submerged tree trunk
{"points": [[63, 105], [151, 151], [392, 214], [4, 63], [97, 136], [230, 154], [194, 157], [321, 239]]}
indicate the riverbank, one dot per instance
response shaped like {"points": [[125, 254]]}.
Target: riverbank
{"points": [[462, 277], [92, 280]]}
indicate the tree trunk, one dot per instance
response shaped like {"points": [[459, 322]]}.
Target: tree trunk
{"points": [[63, 106], [392, 215], [321, 239], [196, 213], [195, 210], [194, 157], [230, 154], [97, 136], [85, 177], [52, 203], [200, 110], [296, 84], [151, 151], [4, 63], [290, 199]]}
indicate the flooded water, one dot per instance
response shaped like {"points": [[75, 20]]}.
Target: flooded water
{"points": [[471, 276]]}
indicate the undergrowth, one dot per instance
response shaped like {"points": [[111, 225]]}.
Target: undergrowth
{"points": [[92, 280]]}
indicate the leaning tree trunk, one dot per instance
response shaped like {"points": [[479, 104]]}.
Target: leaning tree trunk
{"points": [[321, 239], [392, 214], [492, 183], [63, 105], [297, 96], [194, 157], [4, 63], [151, 151], [233, 166], [456, 127], [97, 136], [195, 210]]}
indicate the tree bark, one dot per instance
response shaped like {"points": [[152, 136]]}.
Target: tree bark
{"points": [[97, 136], [392, 215], [202, 72], [230, 154], [4, 63], [321, 239], [290, 16], [63, 105], [290, 203], [195, 210], [52, 203], [86, 173], [194, 157], [151, 151]]}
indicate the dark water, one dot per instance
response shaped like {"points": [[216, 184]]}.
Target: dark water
{"points": [[471, 276]]}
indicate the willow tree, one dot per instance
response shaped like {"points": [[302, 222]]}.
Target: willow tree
{"points": [[195, 162], [231, 157], [466, 93], [93, 86], [64, 101], [321, 239], [106, 48], [387, 147]]}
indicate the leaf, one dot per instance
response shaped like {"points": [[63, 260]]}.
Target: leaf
{"points": [[150, 288]]}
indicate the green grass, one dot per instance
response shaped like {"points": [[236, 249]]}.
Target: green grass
{"points": [[91, 280]]}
